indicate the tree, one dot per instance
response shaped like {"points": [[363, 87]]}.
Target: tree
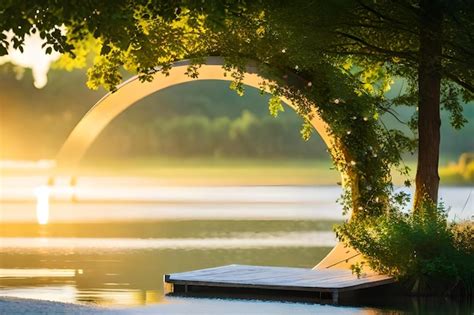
{"points": [[347, 48], [429, 42]]}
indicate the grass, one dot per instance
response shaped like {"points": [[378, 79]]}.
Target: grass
{"points": [[207, 171], [226, 171]]}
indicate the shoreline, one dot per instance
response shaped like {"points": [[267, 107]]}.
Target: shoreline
{"points": [[15, 305], [188, 305]]}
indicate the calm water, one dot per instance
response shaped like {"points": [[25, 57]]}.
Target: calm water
{"points": [[100, 251]]}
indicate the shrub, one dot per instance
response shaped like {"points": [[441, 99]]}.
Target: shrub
{"points": [[460, 173], [421, 249], [469, 172]]}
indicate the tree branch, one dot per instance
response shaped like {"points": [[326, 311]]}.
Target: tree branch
{"points": [[408, 55], [459, 81]]}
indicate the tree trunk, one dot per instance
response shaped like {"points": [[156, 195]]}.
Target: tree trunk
{"points": [[429, 87]]}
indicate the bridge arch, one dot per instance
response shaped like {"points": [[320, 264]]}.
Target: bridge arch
{"points": [[133, 90]]}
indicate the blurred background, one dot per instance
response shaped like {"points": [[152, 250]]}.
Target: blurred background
{"points": [[200, 123], [193, 176]]}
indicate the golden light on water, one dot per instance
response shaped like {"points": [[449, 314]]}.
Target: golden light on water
{"points": [[37, 273], [42, 204]]}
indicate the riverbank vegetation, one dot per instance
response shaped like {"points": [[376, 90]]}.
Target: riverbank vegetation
{"points": [[222, 171], [428, 254], [460, 172]]}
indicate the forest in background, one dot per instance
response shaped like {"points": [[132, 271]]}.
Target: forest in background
{"points": [[201, 119]]}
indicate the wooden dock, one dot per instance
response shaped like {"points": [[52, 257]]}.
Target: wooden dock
{"points": [[321, 284]]}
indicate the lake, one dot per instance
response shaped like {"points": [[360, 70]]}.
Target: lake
{"points": [[114, 244]]}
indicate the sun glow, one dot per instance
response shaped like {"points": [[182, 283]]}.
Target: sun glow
{"points": [[42, 194], [33, 57]]}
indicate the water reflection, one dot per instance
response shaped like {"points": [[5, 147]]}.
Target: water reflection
{"points": [[82, 269], [122, 263], [117, 253], [249, 240], [42, 204], [129, 277], [26, 273], [96, 202]]}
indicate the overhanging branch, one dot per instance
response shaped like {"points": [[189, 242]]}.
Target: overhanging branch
{"points": [[404, 54]]}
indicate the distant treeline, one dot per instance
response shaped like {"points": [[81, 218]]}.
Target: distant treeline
{"points": [[204, 118], [195, 135]]}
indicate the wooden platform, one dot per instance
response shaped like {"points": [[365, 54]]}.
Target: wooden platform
{"points": [[328, 283]]}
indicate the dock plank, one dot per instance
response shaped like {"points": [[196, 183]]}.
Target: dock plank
{"points": [[283, 278]]}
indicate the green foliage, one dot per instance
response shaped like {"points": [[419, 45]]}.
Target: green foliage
{"points": [[333, 57], [451, 101], [458, 173], [469, 175], [306, 130], [358, 269], [275, 106], [421, 249]]}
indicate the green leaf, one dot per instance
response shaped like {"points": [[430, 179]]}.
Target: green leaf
{"points": [[306, 130], [275, 106]]}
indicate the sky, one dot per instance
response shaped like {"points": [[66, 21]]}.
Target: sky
{"points": [[33, 57]]}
